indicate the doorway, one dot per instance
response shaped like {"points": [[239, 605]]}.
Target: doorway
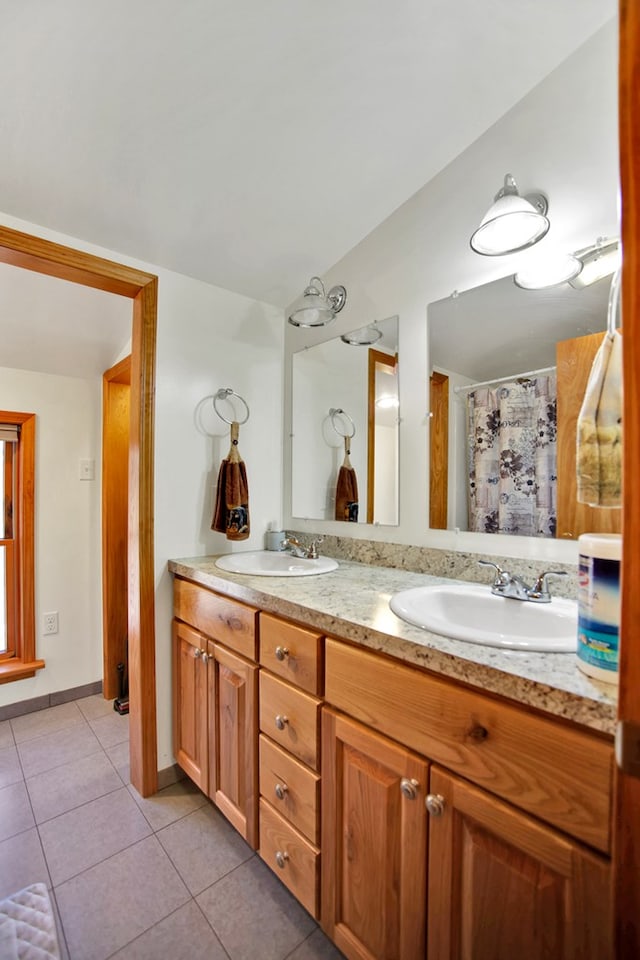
{"points": [[43, 256]]}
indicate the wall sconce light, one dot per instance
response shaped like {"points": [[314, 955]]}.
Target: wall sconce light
{"points": [[512, 223], [315, 308], [363, 337]]}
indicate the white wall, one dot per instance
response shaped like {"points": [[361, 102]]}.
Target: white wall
{"points": [[67, 516], [207, 338], [562, 139]]}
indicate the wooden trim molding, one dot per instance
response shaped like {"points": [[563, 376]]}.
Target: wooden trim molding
{"points": [[377, 359], [438, 450], [24, 663], [626, 827], [43, 256], [116, 417]]}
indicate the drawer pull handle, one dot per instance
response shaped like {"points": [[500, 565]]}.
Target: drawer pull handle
{"points": [[408, 788], [435, 804], [282, 653], [281, 790], [281, 721], [281, 859]]}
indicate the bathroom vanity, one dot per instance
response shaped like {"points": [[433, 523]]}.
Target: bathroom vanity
{"points": [[421, 797]]}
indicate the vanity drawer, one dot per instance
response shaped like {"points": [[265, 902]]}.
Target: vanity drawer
{"points": [[229, 622], [291, 857], [298, 788], [560, 774], [292, 652], [290, 717]]}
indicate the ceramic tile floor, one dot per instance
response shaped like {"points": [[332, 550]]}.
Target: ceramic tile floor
{"points": [[133, 879]]}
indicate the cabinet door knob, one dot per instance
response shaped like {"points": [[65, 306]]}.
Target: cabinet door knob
{"points": [[409, 788], [197, 653], [282, 653], [281, 721], [281, 789], [281, 858], [205, 656], [435, 804]]}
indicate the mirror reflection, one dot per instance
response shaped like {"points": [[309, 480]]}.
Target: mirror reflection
{"points": [[509, 369], [345, 427]]}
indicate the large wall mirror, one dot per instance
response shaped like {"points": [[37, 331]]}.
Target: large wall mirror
{"points": [[535, 348], [345, 415]]}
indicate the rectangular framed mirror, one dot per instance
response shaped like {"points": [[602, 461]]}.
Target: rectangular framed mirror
{"points": [[501, 356]]}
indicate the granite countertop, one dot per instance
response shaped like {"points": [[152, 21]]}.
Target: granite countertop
{"points": [[352, 603]]}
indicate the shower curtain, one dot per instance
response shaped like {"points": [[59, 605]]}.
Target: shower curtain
{"points": [[512, 431]]}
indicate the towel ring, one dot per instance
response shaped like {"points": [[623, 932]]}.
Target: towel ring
{"points": [[223, 394], [333, 413]]}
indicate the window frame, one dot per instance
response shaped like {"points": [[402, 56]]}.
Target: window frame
{"points": [[21, 661]]}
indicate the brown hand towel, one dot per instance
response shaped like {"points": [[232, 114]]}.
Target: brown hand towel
{"points": [[231, 510], [347, 489]]}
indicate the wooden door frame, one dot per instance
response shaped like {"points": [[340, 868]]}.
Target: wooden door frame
{"points": [[42, 256], [438, 466], [115, 488], [377, 358], [626, 822]]}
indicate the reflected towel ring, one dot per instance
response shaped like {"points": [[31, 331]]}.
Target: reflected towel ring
{"points": [[333, 413], [223, 394]]}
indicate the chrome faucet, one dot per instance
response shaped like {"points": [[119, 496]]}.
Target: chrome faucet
{"points": [[298, 550], [513, 588]]}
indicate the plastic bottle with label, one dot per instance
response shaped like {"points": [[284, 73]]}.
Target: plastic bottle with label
{"points": [[599, 604]]}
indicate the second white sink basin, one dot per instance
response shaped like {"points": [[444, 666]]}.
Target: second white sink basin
{"points": [[471, 612], [269, 563]]}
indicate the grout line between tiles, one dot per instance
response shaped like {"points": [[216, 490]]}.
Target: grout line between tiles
{"points": [[213, 929]]}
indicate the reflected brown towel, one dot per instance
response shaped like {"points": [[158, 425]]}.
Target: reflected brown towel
{"points": [[347, 490], [231, 510]]}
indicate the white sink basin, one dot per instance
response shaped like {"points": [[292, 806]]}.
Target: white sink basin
{"points": [[471, 612], [269, 563]]}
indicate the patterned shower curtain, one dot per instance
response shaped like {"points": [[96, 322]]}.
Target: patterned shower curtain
{"points": [[512, 430]]}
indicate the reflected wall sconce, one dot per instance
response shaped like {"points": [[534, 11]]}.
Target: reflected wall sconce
{"points": [[580, 269], [548, 271], [599, 260], [512, 222], [316, 308], [363, 337]]}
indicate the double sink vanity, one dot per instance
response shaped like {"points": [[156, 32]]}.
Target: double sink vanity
{"points": [[421, 796]]}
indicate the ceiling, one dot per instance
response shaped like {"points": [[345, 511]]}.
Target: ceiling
{"points": [[252, 144]]}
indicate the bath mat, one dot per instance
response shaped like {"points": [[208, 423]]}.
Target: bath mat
{"points": [[28, 926]]}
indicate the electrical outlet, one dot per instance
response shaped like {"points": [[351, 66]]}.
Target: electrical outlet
{"points": [[50, 623]]}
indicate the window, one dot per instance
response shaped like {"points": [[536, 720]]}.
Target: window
{"points": [[17, 615]]}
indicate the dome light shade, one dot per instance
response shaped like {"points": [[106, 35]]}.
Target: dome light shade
{"points": [[548, 272], [315, 308], [512, 222], [363, 337]]}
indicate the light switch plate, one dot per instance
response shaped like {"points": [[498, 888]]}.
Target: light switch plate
{"points": [[87, 469]]}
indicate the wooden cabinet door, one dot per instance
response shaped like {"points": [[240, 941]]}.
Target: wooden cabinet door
{"points": [[190, 731], [504, 887], [233, 739], [374, 843]]}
